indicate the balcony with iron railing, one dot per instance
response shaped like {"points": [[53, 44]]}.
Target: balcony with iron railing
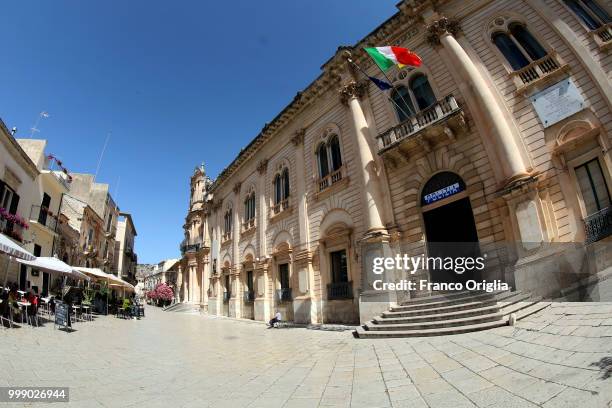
{"points": [[42, 216], [59, 178], [537, 72], [283, 295], [191, 246], [598, 226], [439, 119], [249, 296], [340, 290]]}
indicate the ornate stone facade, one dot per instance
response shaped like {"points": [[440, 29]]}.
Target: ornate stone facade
{"points": [[337, 179]]}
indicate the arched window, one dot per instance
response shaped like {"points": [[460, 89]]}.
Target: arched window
{"points": [[329, 156], [423, 94], [591, 13], [227, 224], [281, 190], [402, 103], [527, 41], [518, 46], [323, 161], [285, 184], [249, 207], [278, 189], [510, 50], [334, 152]]}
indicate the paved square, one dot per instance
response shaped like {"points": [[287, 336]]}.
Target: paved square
{"points": [[557, 358]]}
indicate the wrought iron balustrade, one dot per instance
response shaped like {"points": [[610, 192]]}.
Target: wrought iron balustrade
{"points": [[340, 290], [249, 296], [440, 110], [598, 225], [283, 294]]}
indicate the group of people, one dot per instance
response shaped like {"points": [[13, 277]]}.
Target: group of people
{"points": [[9, 298]]}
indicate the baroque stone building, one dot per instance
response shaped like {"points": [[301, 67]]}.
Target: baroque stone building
{"points": [[501, 138]]}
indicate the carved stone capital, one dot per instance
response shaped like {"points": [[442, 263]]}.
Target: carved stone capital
{"points": [[439, 27], [352, 89], [262, 166], [298, 138]]}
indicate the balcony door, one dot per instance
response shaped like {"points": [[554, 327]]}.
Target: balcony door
{"points": [[42, 214], [593, 187]]}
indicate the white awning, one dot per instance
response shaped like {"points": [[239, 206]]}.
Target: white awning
{"points": [[109, 277], [9, 247], [53, 265], [95, 272]]}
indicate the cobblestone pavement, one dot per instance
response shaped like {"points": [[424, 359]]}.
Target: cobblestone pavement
{"points": [[554, 359]]}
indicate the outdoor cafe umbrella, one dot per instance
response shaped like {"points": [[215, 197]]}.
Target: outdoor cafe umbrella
{"points": [[10, 248], [54, 265]]}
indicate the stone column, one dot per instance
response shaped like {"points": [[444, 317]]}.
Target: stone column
{"points": [[371, 197], [236, 299], [441, 32]]}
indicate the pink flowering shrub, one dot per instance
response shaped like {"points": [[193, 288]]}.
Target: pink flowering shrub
{"points": [[14, 218], [163, 292]]}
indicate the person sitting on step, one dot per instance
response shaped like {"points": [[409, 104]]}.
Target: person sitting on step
{"points": [[275, 319]]}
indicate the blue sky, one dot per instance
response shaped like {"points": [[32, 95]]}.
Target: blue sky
{"points": [[177, 83]]}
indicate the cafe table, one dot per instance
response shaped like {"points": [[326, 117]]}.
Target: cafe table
{"points": [[23, 305]]}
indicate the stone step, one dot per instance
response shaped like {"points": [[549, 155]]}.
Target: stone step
{"points": [[440, 297], [440, 308], [437, 324], [367, 334], [524, 309], [384, 319], [442, 302]]}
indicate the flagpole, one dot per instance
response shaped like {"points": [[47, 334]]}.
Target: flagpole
{"points": [[390, 81], [388, 97]]}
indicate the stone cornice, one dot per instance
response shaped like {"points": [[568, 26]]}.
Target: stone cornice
{"points": [[17, 152]]}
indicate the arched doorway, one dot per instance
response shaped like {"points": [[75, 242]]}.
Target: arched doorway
{"points": [[449, 225]]}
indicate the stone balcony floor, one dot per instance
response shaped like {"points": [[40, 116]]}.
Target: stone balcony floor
{"points": [[560, 357]]}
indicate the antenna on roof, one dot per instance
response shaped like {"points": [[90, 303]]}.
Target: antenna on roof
{"points": [[34, 129], [101, 155]]}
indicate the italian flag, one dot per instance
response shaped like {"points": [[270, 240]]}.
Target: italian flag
{"points": [[386, 57]]}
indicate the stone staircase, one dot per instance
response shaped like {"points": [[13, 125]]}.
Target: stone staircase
{"points": [[185, 307], [451, 313]]}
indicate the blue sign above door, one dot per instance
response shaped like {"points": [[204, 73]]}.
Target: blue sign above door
{"points": [[443, 193]]}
